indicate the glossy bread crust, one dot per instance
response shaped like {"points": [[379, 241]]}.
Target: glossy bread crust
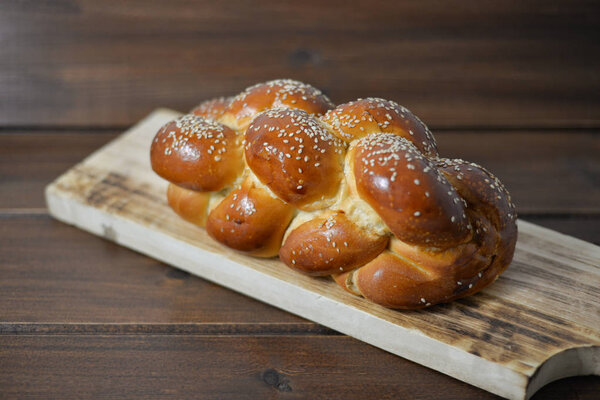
{"points": [[357, 192], [213, 109], [415, 276], [330, 244], [197, 154], [406, 189], [295, 156], [357, 119], [280, 93], [249, 219]]}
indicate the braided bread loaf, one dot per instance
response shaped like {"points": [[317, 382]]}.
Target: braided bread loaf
{"points": [[356, 191]]}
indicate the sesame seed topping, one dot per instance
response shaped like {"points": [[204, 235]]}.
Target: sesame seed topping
{"points": [[395, 149]]}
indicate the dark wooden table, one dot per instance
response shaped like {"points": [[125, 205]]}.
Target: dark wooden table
{"points": [[513, 86]]}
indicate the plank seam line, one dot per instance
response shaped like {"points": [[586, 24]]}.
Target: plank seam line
{"points": [[166, 329]]}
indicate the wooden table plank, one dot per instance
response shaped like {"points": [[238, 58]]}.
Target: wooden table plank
{"points": [[546, 173], [211, 367], [584, 227], [29, 161], [477, 63], [53, 273], [80, 316]]}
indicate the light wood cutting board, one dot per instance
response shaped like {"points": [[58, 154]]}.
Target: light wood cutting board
{"points": [[539, 322]]}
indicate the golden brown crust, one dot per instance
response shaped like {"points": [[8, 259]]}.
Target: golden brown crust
{"points": [[395, 223], [330, 244], [198, 154], [189, 204], [482, 192], [415, 276], [280, 93], [249, 219], [346, 281], [395, 280], [363, 117], [415, 201], [418, 277], [212, 109], [488, 199], [295, 156]]}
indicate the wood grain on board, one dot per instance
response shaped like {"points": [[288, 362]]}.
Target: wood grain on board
{"points": [[544, 305], [476, 63]]}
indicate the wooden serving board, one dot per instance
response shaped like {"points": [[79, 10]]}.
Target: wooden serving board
{"points": [[539, 322]]}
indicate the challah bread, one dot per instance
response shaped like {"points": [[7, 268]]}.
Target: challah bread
{"points": [[296, 157], [250, 219], [331, 244], [281, 93], [189, 204], [363, 117], [213, 109], [356, 191], [198, 154]]}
